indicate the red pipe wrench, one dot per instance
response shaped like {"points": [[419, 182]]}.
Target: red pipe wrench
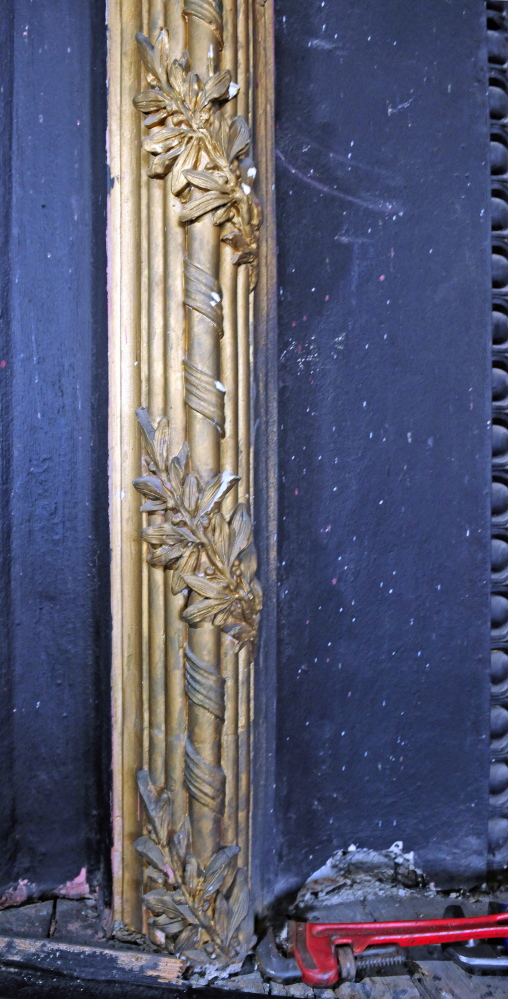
{"points": [[321, 949]]}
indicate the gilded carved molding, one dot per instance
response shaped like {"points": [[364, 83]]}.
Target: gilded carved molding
{"points": [[204, 913], [185, 229], [188, 130], [213, 560]]}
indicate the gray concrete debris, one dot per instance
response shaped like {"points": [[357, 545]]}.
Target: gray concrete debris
{"points": [[247, 983], [300, 991], [382, 988], [349, 991], [351, 875]]}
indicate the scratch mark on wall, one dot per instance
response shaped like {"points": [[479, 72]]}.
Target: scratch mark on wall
{"points": [[383, 207], [399, 107]]}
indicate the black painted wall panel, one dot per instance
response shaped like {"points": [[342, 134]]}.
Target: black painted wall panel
{"points": [[383, 233], [6, 787], [56, 371], [383, 241]]}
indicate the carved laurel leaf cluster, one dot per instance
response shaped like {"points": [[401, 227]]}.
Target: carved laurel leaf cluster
{"points": [[191, 138], [213, 558], [203, 915]]}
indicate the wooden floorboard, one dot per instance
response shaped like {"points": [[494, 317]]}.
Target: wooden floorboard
{"points": [[397, 987], [445, 980], [96, 964], [435, 980]]}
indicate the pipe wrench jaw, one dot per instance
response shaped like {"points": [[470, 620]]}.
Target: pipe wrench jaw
{"points": [[326, 952]]}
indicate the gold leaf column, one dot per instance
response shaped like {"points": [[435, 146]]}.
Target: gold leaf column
{"points": [[229, 456], [176, 630], [183, 673], [203, 772], [154, 365], [124, 210], [244, 376]]}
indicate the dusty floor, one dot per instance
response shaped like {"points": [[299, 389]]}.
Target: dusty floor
{"points": [[79, 922]]}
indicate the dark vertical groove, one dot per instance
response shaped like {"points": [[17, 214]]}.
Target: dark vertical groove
{"points": [[263, 857], [99, 838], [7, 810]]}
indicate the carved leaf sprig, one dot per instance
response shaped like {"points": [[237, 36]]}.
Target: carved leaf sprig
{"points": [[204, 915], [211, 557], [206, 154]]}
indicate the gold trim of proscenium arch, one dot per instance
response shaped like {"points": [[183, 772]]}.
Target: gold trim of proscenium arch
{"points": [[184, 228]]}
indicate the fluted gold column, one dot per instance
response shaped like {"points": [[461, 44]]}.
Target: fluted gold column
{"points": [[155, 363], [204, 775], [124, 373], [176, 705], [229, 458], [184, 233], [244, 458]]}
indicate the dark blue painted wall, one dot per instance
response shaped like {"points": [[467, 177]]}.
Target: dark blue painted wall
{"points": [[55, 555], [382, 690], [6, 778], [383, 232]]}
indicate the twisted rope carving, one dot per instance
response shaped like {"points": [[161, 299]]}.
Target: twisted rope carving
{"points": [[201, 292], [204, 394], [203, 686], [205, 783], [209, 11]]}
